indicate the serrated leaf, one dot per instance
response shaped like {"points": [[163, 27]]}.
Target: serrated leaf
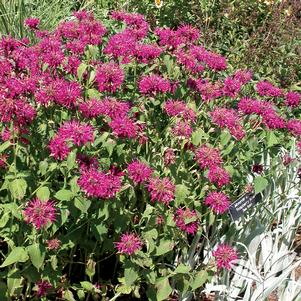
{"points": [[64, 195], [163, 289], [81, 70], [130, 276], [71, 160], [164, 247], [82, 205], [199, 279], [18, 188], [197, 136], [68, 295], [43, 193], [181, 193], [36, 255], [182, 269], [260, 183], [18, 254], [87, 286], [4, 146]]}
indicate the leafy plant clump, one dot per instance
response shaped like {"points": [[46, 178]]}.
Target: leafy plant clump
{"points": [[122, 148]]}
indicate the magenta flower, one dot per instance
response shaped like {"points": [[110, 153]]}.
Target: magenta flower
{"points": [[39, 213], [169, 157], [217, 201], [212, 60], [224, 255], [161, 190], [43, 287], [53, 244], [182, 129], [123, 127], [188, 34], [109, 77], [186, 220], [153, 84], [231, 87], [209, 91], [294, 126], [32, 23], [99, 184], [78, 133], [180, 109], [253, 106], [145, 53], [265, 88], [219, 176], [227, 118], [139, 172], [208, 157], [168, 37], [129, 244], [121, 45], [292, 99], [58, 148], [243, 76]]}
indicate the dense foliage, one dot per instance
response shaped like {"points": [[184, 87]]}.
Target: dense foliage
{"points": [[122, 149]]}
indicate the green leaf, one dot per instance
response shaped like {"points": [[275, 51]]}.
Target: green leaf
{"points": [[68, 295], [43, 193], [18, 188], [225, 138], [197, 136], [272, 139], [4, 219], [90, 268], [64, 195], [260, 183], [124, 289], [43, 165], [163, 289], [164, 247], [182, 269], [71, 160], [14, 282], [82, 205], [18, 254], [199, 279], [130, 276], [36, 255], [4, 146], [81, 70], [181, 193], [87, 286]]}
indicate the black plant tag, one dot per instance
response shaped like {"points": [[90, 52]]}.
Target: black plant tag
{"points": [[242, 204]]}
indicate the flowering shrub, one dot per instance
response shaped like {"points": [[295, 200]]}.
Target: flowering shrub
{"points": [[122, 148]]}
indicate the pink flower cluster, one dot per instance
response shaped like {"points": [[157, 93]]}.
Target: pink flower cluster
{"points": [[139, 172], [208, 157], [186, 220], [39, 213], [217, 201], [109, 77], [129, 244], [265, 88], [179, 108], [161, 190], [99, 184], [154, 84], [224, 255], [71, 131], [227, 118]]}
